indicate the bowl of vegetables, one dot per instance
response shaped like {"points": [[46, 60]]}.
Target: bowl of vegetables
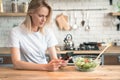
{"points": [[86, 62]]}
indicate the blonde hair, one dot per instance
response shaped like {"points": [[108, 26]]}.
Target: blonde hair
{"points": [[34, 5]]}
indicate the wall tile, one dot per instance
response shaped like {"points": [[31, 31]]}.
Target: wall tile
{"points": [[101, 26]]}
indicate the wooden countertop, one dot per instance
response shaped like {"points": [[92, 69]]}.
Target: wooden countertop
{"points": [[111, 50], [68, 73]]}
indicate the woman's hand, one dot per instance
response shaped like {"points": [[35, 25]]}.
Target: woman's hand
{"points": [[64, 62], [54, 65]]}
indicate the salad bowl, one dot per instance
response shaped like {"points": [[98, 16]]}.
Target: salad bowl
{"points": [[86, 62]]}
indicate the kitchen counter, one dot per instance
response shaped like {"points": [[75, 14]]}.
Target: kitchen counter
{"points": [[113, 50], [110, 50], [67, 73]]}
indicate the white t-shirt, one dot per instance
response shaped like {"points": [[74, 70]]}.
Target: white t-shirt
{"points": [[32, 45]]}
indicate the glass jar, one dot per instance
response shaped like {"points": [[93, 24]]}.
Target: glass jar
{"points": [[25, 7], [1, 6], [118, 5], [14, 6]]}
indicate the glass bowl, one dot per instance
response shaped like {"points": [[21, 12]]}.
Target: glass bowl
{"points": [[86, 62]]}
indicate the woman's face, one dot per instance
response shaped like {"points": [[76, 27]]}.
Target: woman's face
{"points": [[39, 17]]}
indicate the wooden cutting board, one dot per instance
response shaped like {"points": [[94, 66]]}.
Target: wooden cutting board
{"points": [[62, 22]]}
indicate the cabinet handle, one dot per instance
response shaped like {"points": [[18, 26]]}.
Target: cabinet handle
{"points": [[118, 58], [1, 60]]}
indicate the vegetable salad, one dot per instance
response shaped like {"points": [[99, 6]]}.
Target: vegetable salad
{"points": [[85, 64]]}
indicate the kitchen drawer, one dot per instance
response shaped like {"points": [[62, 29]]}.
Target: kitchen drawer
{"points": [[5, 59], [112, 59]]}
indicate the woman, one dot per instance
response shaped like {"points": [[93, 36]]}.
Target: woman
{"points": [[31, 39]]}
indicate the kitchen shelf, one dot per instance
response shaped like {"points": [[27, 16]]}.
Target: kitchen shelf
{"points": [[23, 14], [115, 14], [12, 14], [92, 9]]}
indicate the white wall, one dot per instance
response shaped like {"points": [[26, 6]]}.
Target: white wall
{"points": [[102, 28]]}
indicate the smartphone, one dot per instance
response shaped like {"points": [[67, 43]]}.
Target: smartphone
{"points": [[67, 55]]}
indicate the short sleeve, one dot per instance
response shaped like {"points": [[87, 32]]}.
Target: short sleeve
{"points": [[51, 39], [13, 39]]}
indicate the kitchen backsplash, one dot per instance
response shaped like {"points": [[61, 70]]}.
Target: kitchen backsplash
{"points": [[102, 26]]}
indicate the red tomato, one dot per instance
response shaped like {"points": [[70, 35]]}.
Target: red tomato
{"points": [[86, 60]]}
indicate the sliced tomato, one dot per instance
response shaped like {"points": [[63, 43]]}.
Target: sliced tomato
{"points": [[86, 60]]}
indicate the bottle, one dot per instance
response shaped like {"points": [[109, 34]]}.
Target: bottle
{"points": [[118, 5], [14, 6], [1, 6], [25, 7]]}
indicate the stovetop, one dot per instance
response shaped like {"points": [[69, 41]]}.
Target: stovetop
{"points": [[86, 46]]}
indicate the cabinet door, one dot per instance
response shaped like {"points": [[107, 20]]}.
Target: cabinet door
{"points": [[112, 59]]}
